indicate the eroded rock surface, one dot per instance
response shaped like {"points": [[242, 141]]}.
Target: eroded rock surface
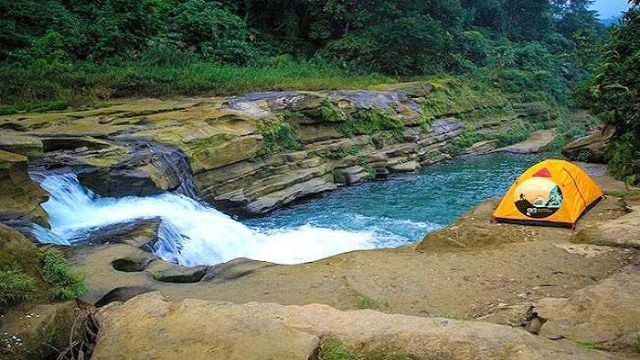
{"points": [[226, 149], [270, 331], [606, 314]]}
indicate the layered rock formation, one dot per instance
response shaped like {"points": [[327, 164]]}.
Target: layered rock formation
{"points": [[253, 153]]}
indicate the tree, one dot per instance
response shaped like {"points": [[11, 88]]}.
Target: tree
{"points": [[616, 94]]}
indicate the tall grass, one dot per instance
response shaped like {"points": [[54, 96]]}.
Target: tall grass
{"points": [[15, 285], [82, 83]]}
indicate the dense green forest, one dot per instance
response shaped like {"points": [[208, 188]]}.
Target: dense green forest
{"points": [[56, 53], [77, 49]]}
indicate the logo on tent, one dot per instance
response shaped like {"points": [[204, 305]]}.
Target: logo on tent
{"points": [[538, 197]]}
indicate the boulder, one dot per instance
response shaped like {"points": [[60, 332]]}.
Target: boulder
{"points": [[351, 175], [20, 198], [409, 166], [590, 148], [605, 315], [15, 248], [141, 233], [17, 143], [146, 169], [149, 326]]}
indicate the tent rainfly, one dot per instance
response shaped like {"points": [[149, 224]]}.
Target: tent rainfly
{"points": [[551, 193]]}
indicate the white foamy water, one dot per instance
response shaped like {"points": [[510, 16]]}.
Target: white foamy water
{"points": [[191, 233]]}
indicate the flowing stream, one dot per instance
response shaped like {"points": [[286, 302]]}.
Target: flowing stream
{"points": [[378, 214]]}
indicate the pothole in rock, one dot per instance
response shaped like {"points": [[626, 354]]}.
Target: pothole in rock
{"points": [[131, 264]]}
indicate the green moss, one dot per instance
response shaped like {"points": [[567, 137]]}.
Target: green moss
{"points": [[366, 302], [55, 271], [588, 345], [453, 97], [15, 285], [278, 135]]}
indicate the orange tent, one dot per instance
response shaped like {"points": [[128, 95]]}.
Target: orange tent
{"points": [[552, 192]]}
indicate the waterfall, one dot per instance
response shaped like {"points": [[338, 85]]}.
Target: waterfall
{"points": [[191, 233]]}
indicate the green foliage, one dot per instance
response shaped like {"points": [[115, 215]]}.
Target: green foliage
{"points": [[405, 46], [15, 285], [215, 32], [278, 135], [369, 122], [332, 348], [464, 141], [371, 171], [29, 86], [55, 271], [588, 345], [615, 95]]}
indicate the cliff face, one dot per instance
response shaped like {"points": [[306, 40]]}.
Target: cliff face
{"points": [[253, 153]]}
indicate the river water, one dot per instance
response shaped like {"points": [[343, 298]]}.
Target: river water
{"points": [[388, 213]]}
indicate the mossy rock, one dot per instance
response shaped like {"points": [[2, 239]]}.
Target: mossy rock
{"points": [[20, 198]]}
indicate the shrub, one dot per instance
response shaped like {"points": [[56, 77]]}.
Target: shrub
{"points": [[56, 272], [15, 285]]}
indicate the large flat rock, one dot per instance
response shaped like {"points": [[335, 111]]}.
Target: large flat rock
{"points": [[149, 326]]}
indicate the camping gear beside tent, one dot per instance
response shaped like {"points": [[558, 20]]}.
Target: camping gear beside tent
{"points": [[552, 192]]}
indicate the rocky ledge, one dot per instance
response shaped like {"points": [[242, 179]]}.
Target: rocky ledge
{"points": [[253, 153]]}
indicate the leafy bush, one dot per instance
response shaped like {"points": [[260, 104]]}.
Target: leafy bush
{"points": [[15, 285], [56, 272], [615, 95], [215, 32]]}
